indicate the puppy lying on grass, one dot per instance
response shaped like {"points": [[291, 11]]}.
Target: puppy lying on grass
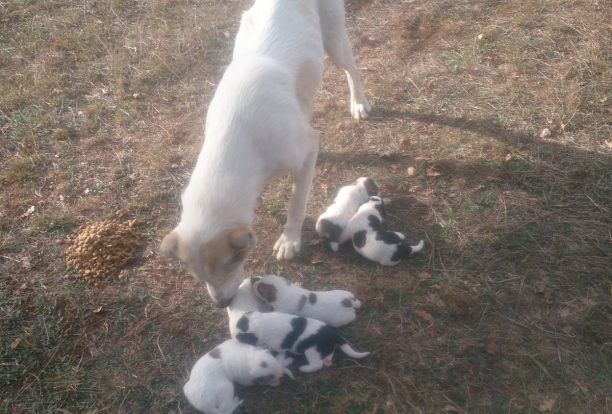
{"points": [[372, 241], [333, 221], [334, 307], [245, 301], [210, 388], [282, 332]]}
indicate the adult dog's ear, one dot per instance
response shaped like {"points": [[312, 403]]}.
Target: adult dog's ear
{"points": [[172, 245], [169, 245], [242, 239]]}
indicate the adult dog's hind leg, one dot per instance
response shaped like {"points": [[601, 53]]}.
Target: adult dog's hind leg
{"points": [[289, 243], [338, 47]]}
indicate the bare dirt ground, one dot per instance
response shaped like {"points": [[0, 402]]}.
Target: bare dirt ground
{"points": [[491, 133]]}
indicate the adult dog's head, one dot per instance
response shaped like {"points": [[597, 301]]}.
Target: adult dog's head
{"points": [[217, 261]]}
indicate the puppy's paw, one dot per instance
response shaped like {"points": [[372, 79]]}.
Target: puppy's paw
{"points": [[286, 247], [360, 110], [307, 369]]}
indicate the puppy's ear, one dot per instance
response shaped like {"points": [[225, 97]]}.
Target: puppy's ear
{"points": [[267, 292], [371, 186]]}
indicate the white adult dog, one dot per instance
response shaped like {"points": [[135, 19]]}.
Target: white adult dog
{"points": [[257, 128]]}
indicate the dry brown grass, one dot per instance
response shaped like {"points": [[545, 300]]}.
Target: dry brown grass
{"points": [[509, 308]]}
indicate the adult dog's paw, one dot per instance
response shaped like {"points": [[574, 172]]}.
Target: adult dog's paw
{"points": [[360, 110], [287, 247]]}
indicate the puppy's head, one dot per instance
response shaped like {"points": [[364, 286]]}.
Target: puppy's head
{"points": [[265, 369], [217, 261], [379, 204], [267, 288], [370, 186]]}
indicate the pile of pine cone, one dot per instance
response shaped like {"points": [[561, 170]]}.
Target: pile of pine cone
{"points": [[102, 249]]}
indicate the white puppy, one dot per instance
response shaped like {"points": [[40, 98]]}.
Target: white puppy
{"points": [[210, 388], [258, 128], [283, 332], [333, 220], [333, 307], [245, 301]]}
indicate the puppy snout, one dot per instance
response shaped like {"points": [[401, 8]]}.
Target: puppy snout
{"points": [[223, 303]]}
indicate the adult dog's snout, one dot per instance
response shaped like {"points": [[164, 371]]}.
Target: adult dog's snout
{"points": [[223, 303]]}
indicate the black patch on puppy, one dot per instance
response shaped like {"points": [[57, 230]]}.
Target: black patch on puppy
{"points": [[312, 298], [247, 338], [374, 222], [243, 324], [388, 237], [381, 208], [274, 353], [403, 250], [263, 380], [255, 279], [302, 302], [330, 230], [264, 364], [359, 238], [347, 303], [215, 353], [325, 341], [371, 187], [298, 324]]}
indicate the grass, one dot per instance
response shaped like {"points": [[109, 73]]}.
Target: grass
{"points": [[507, 310]]}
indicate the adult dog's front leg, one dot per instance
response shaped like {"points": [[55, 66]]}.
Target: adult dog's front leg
{"points": [[289, 243]]}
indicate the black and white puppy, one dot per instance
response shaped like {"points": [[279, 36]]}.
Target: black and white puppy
{"points": [[210, 387], [333, 221], [282, 332], [333, 307], [245, 301], [369, 215], [372, 241]]}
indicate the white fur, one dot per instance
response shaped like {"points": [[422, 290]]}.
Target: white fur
{"points": [[258, 125], [334, 307], [210, 387], [271, 330], [346, 203]]}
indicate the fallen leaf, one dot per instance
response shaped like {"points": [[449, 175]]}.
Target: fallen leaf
{"points": [[581, 384], [25, 263], [545, 133], [547, 405], [433, 173], [15, 343], [479, 37], [424, 276], [449, 408], [608, 143], [98, 309], [410, 171], [413, 189], [424, 315], [315, 242], [28, 212], [508, 157]]}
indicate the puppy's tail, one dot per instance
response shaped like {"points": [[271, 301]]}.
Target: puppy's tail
{"points": [[355, 303], [414, 249], [348, 350]]}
